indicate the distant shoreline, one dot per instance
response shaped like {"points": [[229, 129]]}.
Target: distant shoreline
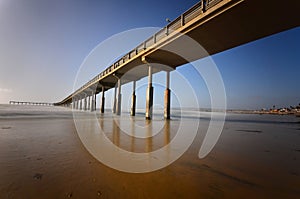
{"points": [[297, 114], [235, 111]]}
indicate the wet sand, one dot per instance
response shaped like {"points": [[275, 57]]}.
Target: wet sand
{"points": [[255, 157]]}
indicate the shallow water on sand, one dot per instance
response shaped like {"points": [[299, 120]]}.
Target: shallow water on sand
{"points": [[41, 156]]}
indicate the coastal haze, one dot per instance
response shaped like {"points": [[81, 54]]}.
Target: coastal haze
{"points": [[85, 149]]}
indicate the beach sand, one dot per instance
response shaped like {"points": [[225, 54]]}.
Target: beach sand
{"points": [[43, 157]]}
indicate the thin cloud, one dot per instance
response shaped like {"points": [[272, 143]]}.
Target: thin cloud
{"points": [[6, 90]]}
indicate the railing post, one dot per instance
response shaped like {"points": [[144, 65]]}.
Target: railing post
{"points": [[167, 30], [182, 20], [204, 5]]}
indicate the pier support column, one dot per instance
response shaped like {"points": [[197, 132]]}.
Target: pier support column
{"points": [[167, 100], [85, 102], [115, 100], [119, 97], [102, 101], [80, 103], [149, 95], [75, 103], [89, 102], [93, 102], [133, 100]]}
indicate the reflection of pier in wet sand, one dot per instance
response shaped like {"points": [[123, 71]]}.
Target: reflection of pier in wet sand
{"points": [[131, 142]]}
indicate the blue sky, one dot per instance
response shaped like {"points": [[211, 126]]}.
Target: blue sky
{"points": [[43, 43]]}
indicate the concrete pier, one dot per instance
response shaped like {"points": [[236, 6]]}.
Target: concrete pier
{"points": [[133, 100], [149, 95], [203, 23], [31, 103], [167, 97]]}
